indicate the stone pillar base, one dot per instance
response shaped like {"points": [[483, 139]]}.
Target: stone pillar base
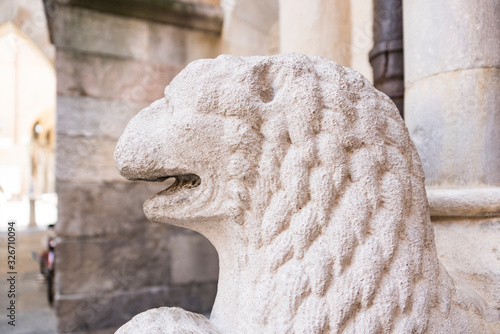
{"points": [[467, 229]]}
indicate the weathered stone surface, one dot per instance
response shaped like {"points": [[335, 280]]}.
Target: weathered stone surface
{"points": [[449, 35], [171, 321], [102, 209], [247, 26], [104, 34], [305, 179], [316, 28], [202, 15], [362, 17], [464, 202], [455, 126], [452, 79], [106, 309], [125, 37], [91, 117], [193, 297], [102, 331], [459, 241], [177, 258], [115, 263], [85, 159], [81, 74], [200, 45], [193, 259], [167, 43]]}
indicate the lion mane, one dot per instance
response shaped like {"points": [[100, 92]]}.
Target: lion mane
{"points": [[326, 189]]}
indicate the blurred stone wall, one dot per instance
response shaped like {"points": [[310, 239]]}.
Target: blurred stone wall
{"points": [[452, 80], [111, 263]]}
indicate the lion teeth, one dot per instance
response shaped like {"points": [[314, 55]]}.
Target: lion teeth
{"points": [[186, 181]]}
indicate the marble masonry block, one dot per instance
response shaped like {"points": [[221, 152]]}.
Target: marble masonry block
{"points": [[102, 33], [441, 113], [90, 117], [125, 37], [193, 259], [467, 202], [167, 44], [332, 28], [85, 159], [459, 241], [244, 38], [470, 29], [103, 209], [267, 12], [103, 311], [115, 263], [200, 44], [83, 74], [193, 297]]}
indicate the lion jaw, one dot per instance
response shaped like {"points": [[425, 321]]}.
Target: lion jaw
{"points": [[152, 148]]}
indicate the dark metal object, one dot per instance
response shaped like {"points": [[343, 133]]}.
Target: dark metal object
{"points": [[386, 57]]}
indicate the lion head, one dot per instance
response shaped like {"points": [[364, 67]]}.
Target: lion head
{"points": [[305, 179]]}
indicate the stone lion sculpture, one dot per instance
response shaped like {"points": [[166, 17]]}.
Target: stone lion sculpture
{"points": [[305, 179]]}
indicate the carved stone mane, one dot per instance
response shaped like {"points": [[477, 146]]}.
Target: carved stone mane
{"points": [[305, 179]]}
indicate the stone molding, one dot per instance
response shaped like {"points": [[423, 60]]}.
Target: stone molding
{"points": [[464, 202], [180, 13]]}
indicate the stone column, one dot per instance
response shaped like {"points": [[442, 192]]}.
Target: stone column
{"points": [[316, 27], [452, 110], [452, 78]]}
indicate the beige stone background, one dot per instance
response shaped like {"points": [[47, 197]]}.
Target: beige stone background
{"points": [[112, 58]]}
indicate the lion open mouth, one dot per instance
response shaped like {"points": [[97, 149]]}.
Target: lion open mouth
{"points": [[175, 183], [181, 182]]}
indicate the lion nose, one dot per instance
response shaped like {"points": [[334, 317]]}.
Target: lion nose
{"points": [[139, 150]]}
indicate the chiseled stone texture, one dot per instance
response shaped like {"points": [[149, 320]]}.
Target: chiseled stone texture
{"points": [[305, 179], [168, 321]]}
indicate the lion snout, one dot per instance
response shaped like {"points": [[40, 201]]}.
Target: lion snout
{"points": [[139, 151]]}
